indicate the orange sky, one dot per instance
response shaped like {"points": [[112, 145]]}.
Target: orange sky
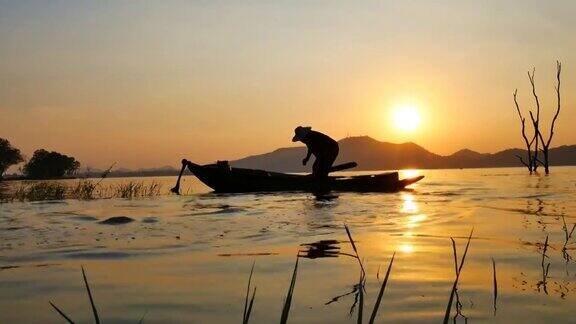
{"points": [[145, 84]]}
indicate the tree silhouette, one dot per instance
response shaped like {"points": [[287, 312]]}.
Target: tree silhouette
{"points": [[9, 155], [50, 165], [532, 145]]}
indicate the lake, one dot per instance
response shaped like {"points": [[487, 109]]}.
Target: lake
{"points": [[187, 258]]}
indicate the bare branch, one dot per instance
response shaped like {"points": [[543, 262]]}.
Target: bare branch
{"points": [[535, 121], [528, 143], [522, 160], [558, 72], [531, 78], [538, 133], [517, 106]]}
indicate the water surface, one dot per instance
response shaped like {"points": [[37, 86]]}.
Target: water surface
{"points": [[187, 258]]}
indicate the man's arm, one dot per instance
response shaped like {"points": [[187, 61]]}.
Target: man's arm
{"points": [[307, 157]]}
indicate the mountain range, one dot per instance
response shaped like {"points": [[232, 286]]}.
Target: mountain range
{"points": [[371, 154]]}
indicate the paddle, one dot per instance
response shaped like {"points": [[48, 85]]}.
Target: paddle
{"points": [[343, 166], [176, 188]]}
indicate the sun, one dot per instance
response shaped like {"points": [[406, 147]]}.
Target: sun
{"points": [[406, 118]]}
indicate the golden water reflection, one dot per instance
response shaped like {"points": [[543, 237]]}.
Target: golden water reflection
{"points": [[409, 206], [410, 173], [406, 248], [415, 220]]}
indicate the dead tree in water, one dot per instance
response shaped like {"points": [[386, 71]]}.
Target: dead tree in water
{"points": [[546, 144], [533, 145]]}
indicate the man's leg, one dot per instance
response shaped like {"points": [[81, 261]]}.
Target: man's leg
{"points": [[321, 167], [331, 158]]}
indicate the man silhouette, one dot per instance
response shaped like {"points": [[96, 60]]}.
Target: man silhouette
{"points": [[324, 149]]}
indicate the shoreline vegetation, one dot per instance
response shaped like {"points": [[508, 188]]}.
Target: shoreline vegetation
{"points": [[84, 189]]}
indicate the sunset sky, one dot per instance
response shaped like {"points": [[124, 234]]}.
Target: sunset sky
{"points": [[145, 83]]}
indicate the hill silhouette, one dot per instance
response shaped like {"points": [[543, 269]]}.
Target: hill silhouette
{"points": [[370, 154], [375, 155]]}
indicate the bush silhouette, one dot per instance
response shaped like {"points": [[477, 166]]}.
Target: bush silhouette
{"points": [[50, 165]]}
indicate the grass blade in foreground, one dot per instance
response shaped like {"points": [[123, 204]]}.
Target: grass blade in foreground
{"points": [[361, 300], [449, 307], [495, 285], [96, 318], [362, 277], [244, 317], [248, 306], [62, 313], [455, 255], [379, 299], [142, 318], [288, 301], [355, 250]]}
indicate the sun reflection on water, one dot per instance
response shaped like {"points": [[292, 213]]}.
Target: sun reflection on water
{"points": [[410, 173], [413, 219], [406, 248], [408, 204]]}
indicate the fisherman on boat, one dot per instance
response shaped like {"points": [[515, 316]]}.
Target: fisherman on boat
{"points": [[324, 149]]}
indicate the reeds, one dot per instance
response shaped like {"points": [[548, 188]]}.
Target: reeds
{"points": [[545, 268], [495, 285], [133, 189], [248, 305], [45, 190], [92, 304], [94, 311], [458, 268], [61, 313], [381, 292], [288, 300], [84, 189], [360, 288], [567, 238], [250, 296], [362, 283]]}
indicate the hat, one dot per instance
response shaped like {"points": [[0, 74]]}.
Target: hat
{"points": [[300, 132]]}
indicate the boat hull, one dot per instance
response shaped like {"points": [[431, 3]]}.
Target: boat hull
{"points": [[224, 179]]}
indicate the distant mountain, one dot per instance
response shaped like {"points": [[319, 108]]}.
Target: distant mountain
{"points": [[371, 154]]}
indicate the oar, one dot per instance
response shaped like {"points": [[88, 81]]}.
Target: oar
{"points": [[343, 166], [176, 188]]}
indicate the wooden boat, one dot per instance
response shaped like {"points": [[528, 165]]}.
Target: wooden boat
{"points": [[225, 179]]}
